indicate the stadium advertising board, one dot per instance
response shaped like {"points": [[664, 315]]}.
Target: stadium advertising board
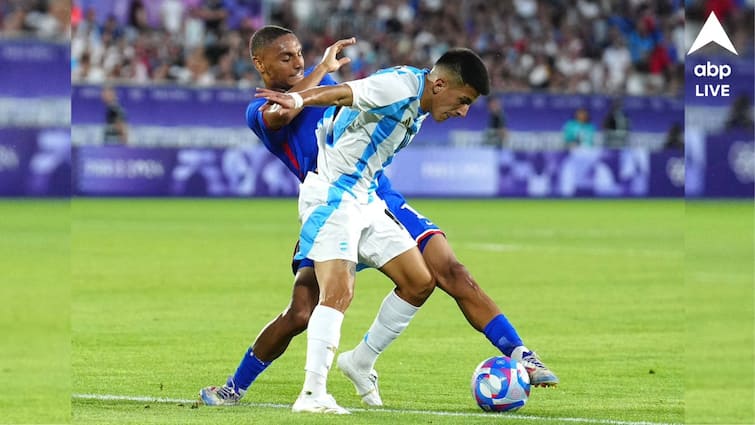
{"points": [[730, 165], [34, 69], [591, 173], [121, 171], [219, 113], [418, 172], [35, 162], [437, 172]]}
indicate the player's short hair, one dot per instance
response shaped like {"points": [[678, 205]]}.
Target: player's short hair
{"points": [[468, 67], [264, 36]]}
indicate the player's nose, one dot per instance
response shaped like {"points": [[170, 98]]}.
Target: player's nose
{"points": [[299, 62], [462, 111]]}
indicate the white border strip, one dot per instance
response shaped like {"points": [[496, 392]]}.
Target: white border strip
{"points": [[511, 416]]}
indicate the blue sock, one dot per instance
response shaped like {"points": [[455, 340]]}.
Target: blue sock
{"points": [[248, 370], [502, 334]]}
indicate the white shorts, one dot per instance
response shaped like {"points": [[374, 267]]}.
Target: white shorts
{"points": [[336, 226]]}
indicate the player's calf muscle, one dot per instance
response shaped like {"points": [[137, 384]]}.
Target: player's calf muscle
{"points": [[418, 286], [455, 279]]}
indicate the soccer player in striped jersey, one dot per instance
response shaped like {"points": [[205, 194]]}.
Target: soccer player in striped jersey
{"points": [[289, 134]]}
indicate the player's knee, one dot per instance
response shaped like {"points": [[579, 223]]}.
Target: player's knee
{"points": [[298, 318], [421, 288], [427, 287], [456, 280], [339, 297], [345, 295]]}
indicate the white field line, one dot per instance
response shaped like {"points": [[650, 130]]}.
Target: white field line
{"points": [[503, 417]]}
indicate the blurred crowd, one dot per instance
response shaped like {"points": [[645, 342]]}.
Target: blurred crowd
{"points": [[632, 47], [566, 46], [45, 19]]}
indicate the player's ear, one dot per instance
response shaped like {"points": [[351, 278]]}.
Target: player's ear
{"points": [[438, 85], [258, 64]]}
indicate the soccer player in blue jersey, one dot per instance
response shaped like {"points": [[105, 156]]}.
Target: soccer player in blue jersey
{"points": [[289, 134]]}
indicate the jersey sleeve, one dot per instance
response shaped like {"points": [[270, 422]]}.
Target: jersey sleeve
{"points": [[383, 89], [254, 119], [256, 122], [328, 81]]}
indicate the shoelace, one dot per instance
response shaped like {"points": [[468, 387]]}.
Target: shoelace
{"points": [[533, 360], [225, 392]]}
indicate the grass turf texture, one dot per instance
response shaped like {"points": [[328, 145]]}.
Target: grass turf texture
{"points": [[719, 334], [35, 337], [166, 294]]}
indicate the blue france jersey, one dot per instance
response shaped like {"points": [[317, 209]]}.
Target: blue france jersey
{"points": [[294, 144]]}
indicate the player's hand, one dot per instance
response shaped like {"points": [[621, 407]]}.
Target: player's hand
{"points": [[273, 108], [329, 60], [275, 98]]}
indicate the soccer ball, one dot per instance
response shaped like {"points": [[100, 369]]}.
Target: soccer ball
{"points": [[500, 384]]}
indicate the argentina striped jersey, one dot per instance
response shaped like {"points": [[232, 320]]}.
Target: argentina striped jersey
{"points": [[355, 143]]}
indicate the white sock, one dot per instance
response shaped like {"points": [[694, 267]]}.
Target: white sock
{"points": [[393, 317], [323, 335], [519, 352]]}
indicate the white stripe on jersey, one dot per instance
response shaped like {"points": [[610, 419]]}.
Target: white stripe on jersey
{"points": [[361, 140]]}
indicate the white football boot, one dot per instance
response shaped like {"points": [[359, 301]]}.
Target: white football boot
{"points": [[325, 403], [365, 382], [540, 375]]}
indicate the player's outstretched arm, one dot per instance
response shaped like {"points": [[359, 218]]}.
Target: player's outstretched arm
{"points": [[340, 95], [329, 63], [276, 117]]}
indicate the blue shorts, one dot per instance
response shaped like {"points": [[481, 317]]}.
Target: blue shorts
{"points": [[419, 227]]}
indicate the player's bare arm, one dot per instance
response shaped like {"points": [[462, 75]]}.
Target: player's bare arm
{"points": [[276, 117], [340, 95], [328, 64]]}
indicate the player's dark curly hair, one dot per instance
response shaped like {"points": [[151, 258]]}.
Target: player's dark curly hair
{"points": [[468, 66], [265, 35]]}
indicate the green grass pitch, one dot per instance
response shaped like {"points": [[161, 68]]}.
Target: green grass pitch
{"points": [[35, 337], [139, 303]]}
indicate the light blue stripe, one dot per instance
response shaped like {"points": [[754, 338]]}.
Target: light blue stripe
{"points": [[382, 131], [311, 228], [374, 184], [396, 69], [391, 109], [328, 114], [384, 128], [394, 108], [346, 182], [343, 120], [327, 117]]}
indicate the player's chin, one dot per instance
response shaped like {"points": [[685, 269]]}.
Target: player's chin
{"points": [[440, 117]]}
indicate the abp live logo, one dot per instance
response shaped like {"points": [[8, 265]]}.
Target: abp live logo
{"points": [[712, 32]]}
